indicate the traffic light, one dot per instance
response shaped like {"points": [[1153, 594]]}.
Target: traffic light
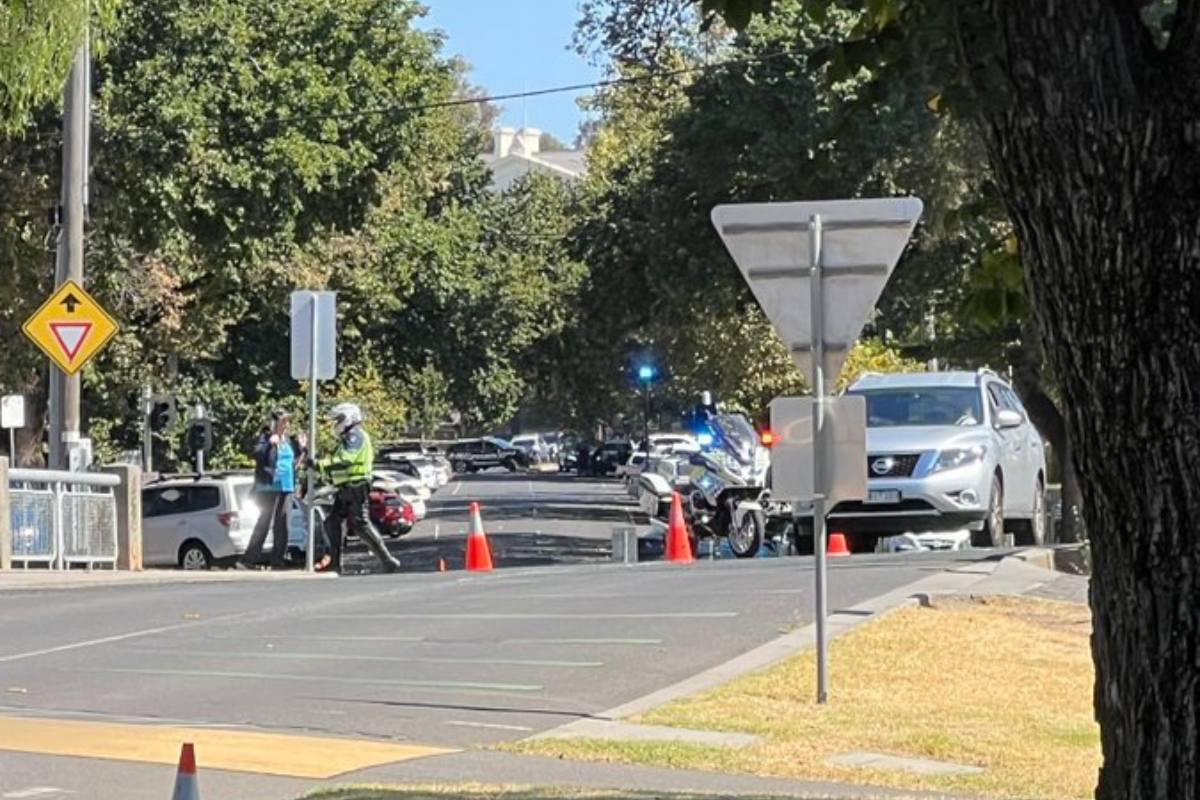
{"points": [[162, 413], [200, 436]]}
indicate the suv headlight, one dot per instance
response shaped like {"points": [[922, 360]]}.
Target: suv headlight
{"points": [[956, 457]]}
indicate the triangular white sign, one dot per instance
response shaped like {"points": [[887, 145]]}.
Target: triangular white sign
{"points": [[861, 241], [71, 336]]}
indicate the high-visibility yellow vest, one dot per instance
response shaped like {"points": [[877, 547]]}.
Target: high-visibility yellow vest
{"points": [[352, 461]]}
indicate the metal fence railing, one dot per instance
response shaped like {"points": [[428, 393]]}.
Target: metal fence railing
{"points": [[61, 519]]}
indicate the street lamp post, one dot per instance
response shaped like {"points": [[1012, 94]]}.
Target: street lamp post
{"points": [[646, 376]]}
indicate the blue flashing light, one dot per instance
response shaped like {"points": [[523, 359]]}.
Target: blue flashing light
{"points": [[705, 439], [646, 373]]}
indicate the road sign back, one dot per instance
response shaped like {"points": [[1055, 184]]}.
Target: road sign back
{"points": [[71, 328], [857, 245]]}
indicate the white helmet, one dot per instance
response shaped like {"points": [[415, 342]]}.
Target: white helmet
{"points": [[345, 416]]}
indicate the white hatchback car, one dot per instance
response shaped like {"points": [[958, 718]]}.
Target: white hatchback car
{"points": [[200, 522]]}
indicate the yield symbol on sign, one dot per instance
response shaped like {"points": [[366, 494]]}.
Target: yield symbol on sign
{"points": [[71, 336]]}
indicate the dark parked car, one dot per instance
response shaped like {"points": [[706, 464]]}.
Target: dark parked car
{"points": [[472, 455]]}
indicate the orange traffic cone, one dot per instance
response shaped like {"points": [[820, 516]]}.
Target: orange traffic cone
{"points": [[186, 785], [479, 552], [679, 545], [837, 546]]}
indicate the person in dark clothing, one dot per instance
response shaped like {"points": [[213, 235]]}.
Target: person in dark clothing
{"points": [[276, 457]]}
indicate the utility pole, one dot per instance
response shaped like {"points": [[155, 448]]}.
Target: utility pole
{"points": [[64, 390]]}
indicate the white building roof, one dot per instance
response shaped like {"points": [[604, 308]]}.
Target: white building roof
{"points": [[516, 153]]}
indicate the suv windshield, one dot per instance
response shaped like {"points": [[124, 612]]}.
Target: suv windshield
{"points": [[932, 406]]}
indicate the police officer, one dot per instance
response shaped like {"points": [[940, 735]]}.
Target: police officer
{"points": [[349, 470]]}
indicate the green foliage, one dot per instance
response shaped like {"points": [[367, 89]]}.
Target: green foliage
{"points": [[38, 42], [769, 127], [872, 355]]}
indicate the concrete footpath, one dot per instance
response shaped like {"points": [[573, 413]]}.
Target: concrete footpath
{"points": [[44, 579]]}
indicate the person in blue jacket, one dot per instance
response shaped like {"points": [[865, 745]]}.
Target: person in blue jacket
{"points": [[277, 456]]}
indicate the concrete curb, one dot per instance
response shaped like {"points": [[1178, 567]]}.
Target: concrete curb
{"points": [[43, 580], [955, 581]]}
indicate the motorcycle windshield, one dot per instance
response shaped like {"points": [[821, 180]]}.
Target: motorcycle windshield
{"points": [[737, 437]]}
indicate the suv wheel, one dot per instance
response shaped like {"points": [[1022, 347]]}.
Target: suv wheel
{"points": [[459, 467], [194, 556], [1033, 532], [992, 534]]}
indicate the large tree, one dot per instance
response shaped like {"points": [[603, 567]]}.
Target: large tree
{"points": [[38, 42], [754, 123], [1088, 111]]}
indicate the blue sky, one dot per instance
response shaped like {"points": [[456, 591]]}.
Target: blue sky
{"points": [[518, 45]]}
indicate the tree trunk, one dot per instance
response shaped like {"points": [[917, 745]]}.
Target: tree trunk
{"points": [[1073, 529], [1095, 150], [30, 439]]}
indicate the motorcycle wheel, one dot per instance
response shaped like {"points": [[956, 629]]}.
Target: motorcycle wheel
{"points": [[746, 540]]}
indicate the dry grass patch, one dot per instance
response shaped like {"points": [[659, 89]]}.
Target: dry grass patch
{"points": [[999, 683], [480, 792]]}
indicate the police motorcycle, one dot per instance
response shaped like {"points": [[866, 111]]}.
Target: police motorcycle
{"points": [[722, 487]]}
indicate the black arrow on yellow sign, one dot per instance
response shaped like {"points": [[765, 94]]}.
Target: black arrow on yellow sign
{"points": [[71, 302]]}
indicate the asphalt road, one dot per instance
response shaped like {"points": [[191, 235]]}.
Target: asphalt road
{"points": [[449, 659], [531, 520]]}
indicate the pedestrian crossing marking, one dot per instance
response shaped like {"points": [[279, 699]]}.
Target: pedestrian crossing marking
{"points": [[263, 753]]}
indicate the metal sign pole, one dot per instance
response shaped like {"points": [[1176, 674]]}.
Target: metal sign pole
{"points": [[199, 452], [147, 429], [819, 499], [312, 439]]}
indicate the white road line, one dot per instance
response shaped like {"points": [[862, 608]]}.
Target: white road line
{"points": [[507, 662], [463, 724], [437, 531], [679, 615], [42, 791], [271, 637], [94, 642], [270, 678], [457, 488]]}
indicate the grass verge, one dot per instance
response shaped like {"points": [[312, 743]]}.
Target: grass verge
{"points": [[480, 792], [1000, 683]]}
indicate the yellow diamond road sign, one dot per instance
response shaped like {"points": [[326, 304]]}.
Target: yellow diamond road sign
{"points": [[71, 328]]}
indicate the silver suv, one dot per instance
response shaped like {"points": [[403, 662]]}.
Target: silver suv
{"points": [[948, 451]]}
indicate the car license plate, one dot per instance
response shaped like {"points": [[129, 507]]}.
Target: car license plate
{"points": [[883, 496]]}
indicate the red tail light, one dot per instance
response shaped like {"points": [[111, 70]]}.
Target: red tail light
{"points": [[410, 513], [229, 519], [768, 438]]}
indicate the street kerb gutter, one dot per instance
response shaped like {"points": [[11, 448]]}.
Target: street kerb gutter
{"points": [[607, 724]]}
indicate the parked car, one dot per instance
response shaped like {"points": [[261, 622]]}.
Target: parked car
{"points": [[947, 451], [416, 467], [411, 491], [198, 522], [419, 452], [534, 447], [396, 478], [605, 459], [472, 455], [392, 515]]}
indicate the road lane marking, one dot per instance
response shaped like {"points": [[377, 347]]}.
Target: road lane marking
{"points": [[271, 637], [35, 791], [495, 725], [223, 749], [507, 662], [94, 642], [665, 615], [478, 686], [457, 488]]}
